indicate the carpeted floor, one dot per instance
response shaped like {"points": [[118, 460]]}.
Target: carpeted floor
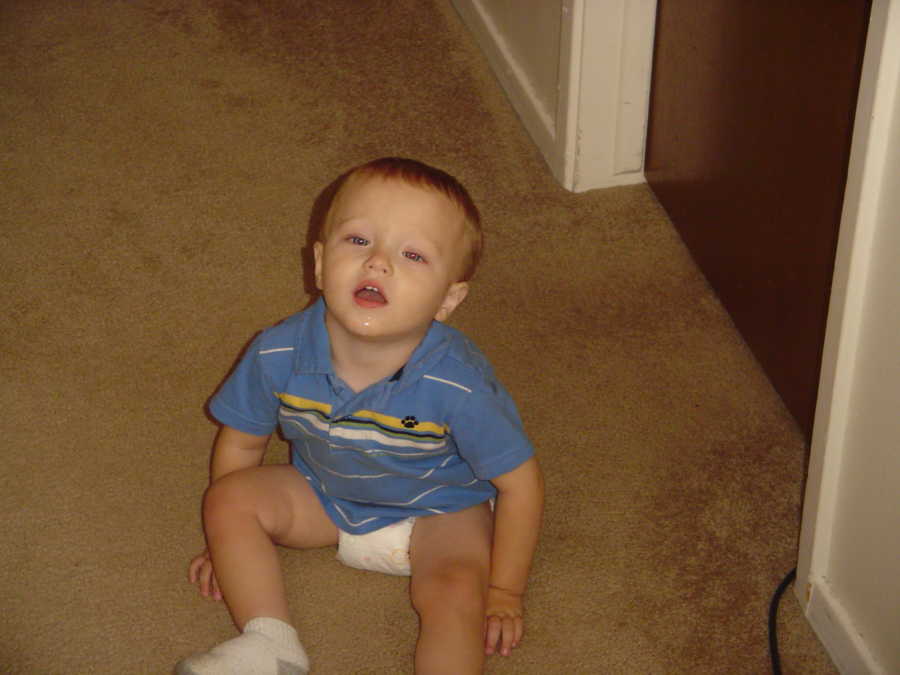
{"points": [[159, 164]]}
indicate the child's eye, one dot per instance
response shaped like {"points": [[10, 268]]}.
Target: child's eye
{"points": [[359, 241], [415, 257]]}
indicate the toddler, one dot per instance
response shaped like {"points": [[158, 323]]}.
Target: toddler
{"points": [[406, 452]]}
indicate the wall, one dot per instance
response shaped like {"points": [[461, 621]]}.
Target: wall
{"points": [[577, 73], [849, 567], [531, 31]]}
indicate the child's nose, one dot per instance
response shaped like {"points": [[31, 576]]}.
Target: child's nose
{"points": [[379, 262]]}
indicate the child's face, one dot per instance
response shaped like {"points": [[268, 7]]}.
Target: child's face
{"points": [[390, 260]]}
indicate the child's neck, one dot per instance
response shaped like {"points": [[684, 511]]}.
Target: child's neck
{"points": [[362, 363]]}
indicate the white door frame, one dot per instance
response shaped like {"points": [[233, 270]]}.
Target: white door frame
{"points": [[595, 136], [870, 208]]}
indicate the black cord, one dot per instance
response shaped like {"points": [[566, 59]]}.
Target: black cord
{"points": [[773, 620]]}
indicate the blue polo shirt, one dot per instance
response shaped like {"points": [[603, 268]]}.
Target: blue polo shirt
{"points": [[426, 440]]}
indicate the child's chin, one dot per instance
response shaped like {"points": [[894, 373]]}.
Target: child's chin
{"points": [[368, 328]]}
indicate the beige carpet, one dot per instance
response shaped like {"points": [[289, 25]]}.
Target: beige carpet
{"points": [[159, 163]]}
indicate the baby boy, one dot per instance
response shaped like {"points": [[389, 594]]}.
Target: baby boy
{"points": [[406, 452]]}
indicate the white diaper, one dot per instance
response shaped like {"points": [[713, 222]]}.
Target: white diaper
{"points": [[385, 550]]}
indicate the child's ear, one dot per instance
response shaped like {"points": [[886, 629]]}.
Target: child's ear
{"points": [[318, 250], [455, 295]]}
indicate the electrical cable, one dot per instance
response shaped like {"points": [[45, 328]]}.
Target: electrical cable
{"points": [[773, 620]]}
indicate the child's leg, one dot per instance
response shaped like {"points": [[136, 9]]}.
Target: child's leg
{"points": [[245, 514], [450, 556]]}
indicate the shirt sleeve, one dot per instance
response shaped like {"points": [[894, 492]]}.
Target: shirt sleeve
{"points": [[246, 400], [488, 432]]}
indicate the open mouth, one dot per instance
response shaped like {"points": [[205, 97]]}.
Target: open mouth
{"points": [[370, 296]]}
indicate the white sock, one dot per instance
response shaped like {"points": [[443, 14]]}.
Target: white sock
{"points": [[266, 647]]}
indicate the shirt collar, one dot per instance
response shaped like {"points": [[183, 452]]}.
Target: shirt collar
{"points": [[431, 350], [313, 355]]}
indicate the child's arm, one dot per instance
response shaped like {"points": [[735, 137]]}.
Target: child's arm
{"points": [[517, 521], [233, 450]]}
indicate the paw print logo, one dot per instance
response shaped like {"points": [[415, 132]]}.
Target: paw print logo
{"points": [[409, 421]]}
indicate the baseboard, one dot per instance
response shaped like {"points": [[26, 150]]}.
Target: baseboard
{"points": [[540, 123], [833, 625]]}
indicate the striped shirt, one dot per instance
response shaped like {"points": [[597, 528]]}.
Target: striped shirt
{"points": [[426, 440]]}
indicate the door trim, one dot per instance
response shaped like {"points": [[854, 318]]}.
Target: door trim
{"points": [[595, 135], [866, 212]]}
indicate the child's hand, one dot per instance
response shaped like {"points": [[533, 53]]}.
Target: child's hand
{"points": [[201, 573], [503, 624]]}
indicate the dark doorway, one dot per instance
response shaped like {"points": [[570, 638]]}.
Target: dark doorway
{"points": [[751, 114]]}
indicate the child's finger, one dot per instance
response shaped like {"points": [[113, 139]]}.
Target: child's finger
{"points": [[492, 634], [194, 569], [217, 594], [507, 635], [205, 576]]}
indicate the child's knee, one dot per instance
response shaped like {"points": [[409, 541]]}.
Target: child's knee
{"points": [[223, 500], [455, 588]]}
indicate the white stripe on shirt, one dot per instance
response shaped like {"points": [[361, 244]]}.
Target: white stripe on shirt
{"points": [[452, 384]]}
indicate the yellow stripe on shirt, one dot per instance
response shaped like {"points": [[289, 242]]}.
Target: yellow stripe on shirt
{"points": [[303, 403], [397, 423]]}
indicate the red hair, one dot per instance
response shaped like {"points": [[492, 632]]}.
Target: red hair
{"points": [[419, 174]]}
